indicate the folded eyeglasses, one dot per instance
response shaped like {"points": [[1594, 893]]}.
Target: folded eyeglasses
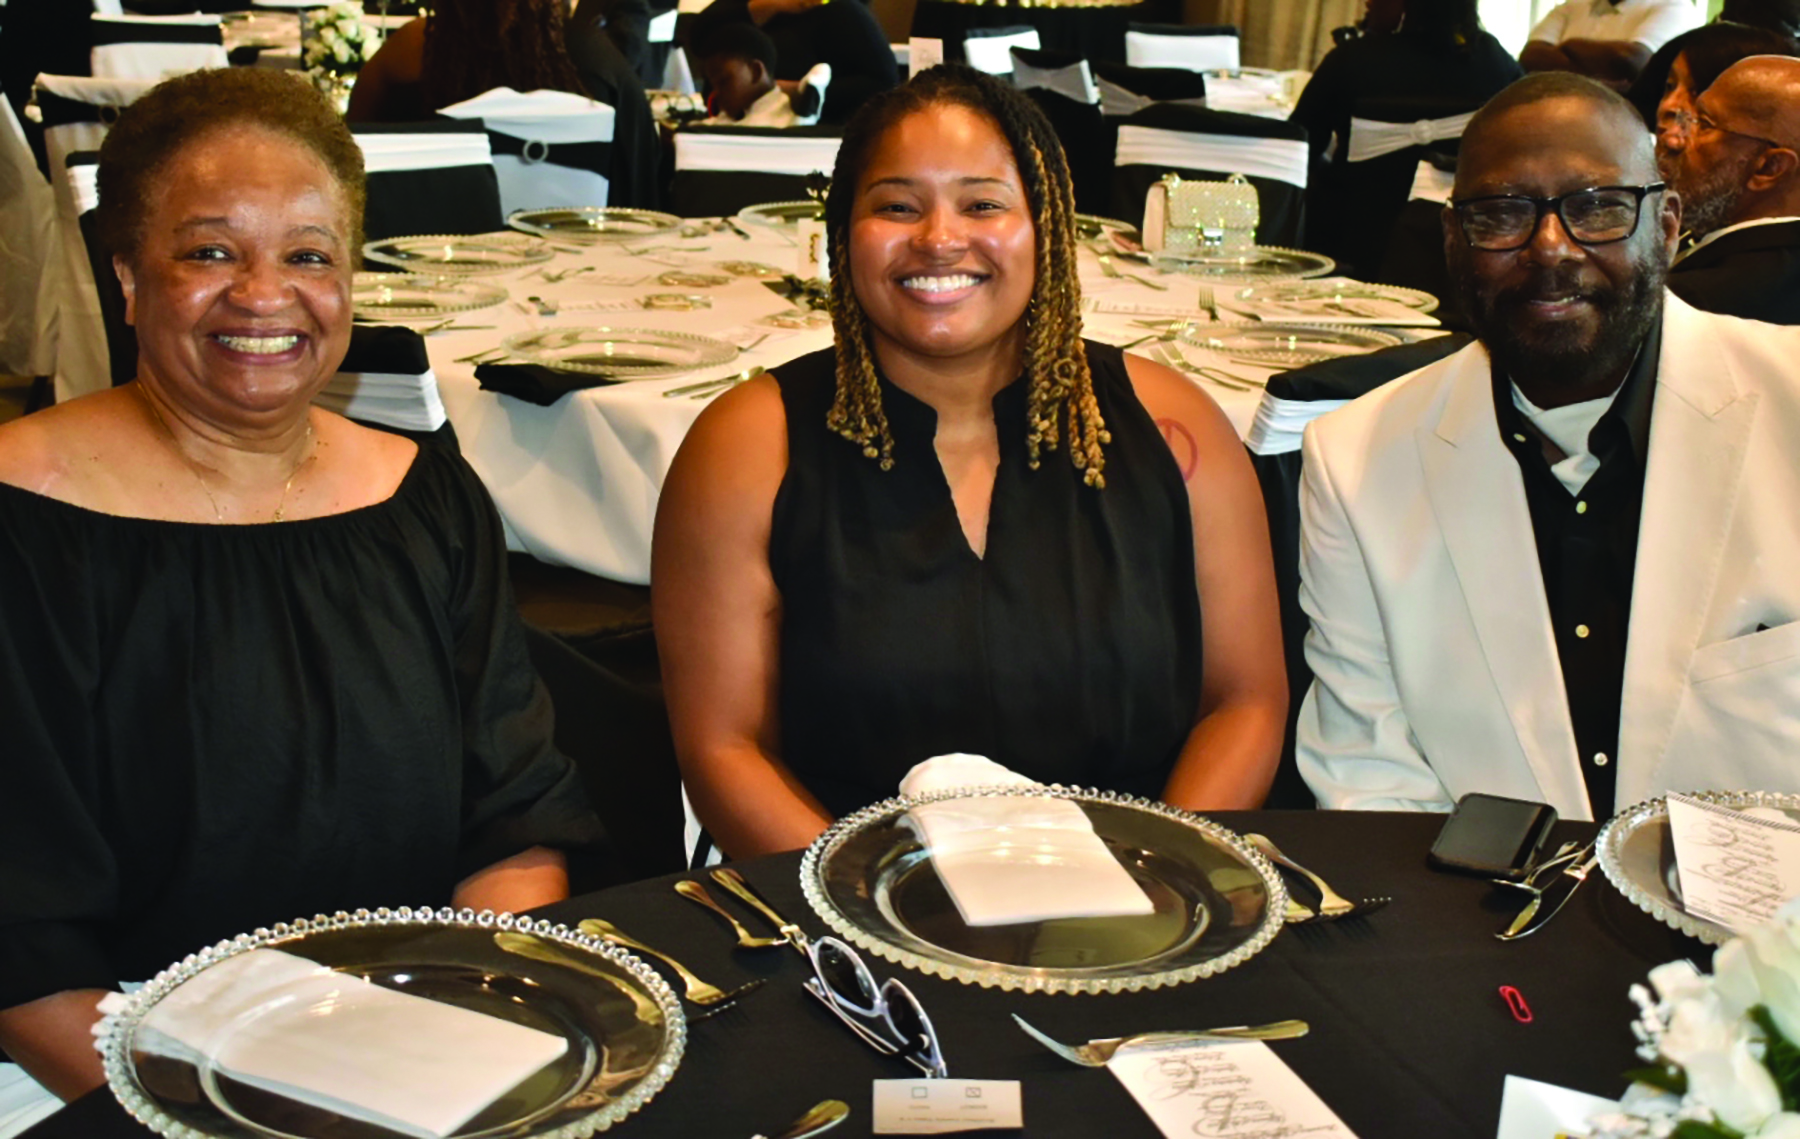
{"points": [[888, 1018]]}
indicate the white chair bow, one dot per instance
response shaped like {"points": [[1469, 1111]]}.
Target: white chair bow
{"points": [[1372, 139], [551, 148], [1075, 81]]}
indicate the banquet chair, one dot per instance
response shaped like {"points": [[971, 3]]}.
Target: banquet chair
{"points": [[1065, 73], [27, 242], [386, 382], [721, 169], [1194, 142], [82, 169], [155, 47], [990, 49], [1188, 46], [551, 148], [1088, 142], [76, 112], [1290, 401], [435, 177], [1126, 90]]}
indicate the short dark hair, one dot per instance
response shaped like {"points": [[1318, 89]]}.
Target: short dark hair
{"points": [[1543, 86], [179, 111], [738, 39], [1715, 47]]}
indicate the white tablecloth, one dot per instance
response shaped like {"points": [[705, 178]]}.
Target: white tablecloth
{"points": [[577, 482]]}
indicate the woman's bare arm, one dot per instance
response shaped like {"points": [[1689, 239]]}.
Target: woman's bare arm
{"points": [[529, 879], [717, 614], [51, 1039], [1229, 760]]}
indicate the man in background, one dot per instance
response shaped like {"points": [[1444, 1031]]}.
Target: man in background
{"points": [[1606, 40]]}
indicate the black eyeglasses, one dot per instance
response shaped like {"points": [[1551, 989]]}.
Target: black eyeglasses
{"points": [[1703, 121], [1597, 216], [843, 983]]}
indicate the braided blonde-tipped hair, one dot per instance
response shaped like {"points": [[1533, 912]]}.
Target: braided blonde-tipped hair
{"points": [[1060, 388]]}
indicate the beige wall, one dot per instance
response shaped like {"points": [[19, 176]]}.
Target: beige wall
{"points": [[1283, 34], [894, 16]]}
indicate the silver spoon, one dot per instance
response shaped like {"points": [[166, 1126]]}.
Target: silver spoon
{"points": [[696, 893], [819, 1118]]}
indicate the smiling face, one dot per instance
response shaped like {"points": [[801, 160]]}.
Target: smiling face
{"points": [[942, 246], [1560, 317], [240, 283]]}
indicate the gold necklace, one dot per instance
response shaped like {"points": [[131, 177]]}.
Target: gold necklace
{"points": [[194, 468]]}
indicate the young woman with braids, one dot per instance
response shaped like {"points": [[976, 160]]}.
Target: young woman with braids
{"points": [[963, 529]]}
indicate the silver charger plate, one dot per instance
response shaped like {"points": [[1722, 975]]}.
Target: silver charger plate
{"points": [[460, 254], [1217, 901], [1088, 227], [782, 213], [1637, 854], [1262, 264], [402, 296], [1284, 345], [623, 1024], [1290, 292], [593, 223], [620, 353]]}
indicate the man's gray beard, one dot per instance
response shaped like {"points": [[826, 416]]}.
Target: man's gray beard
{"points": [[1549, 357], [1710, 200]]}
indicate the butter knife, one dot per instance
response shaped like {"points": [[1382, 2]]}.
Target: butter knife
{"points": [[1570, 880]]}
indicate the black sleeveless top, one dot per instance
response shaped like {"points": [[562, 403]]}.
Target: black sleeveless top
{"points": [[1070, 652]]}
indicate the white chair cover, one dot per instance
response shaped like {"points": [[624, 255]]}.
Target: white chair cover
{"points": [[993, 54], [1283, 160], [1075, 81], [1190, 53], [384, 153], [27, 242], [82, 365], [1372, 139], [542, 122], [662, 28], [145, 52], [721, 151]]}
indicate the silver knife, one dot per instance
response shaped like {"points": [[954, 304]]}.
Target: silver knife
{"points": [[1574, 874]]}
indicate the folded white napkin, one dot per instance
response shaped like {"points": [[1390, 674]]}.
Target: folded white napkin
{"points": [[1007, 860], [338, 1041]]}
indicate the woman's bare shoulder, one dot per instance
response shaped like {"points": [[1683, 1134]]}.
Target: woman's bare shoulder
{"points": [[48, 451], [746, 429]]}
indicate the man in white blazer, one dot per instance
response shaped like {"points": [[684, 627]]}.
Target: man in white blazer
{"points": [[1562, 565]]}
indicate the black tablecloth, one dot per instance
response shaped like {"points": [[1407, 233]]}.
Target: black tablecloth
{"points": [[1410, 1036]]}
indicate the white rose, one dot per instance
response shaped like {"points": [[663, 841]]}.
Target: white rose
{"points": [[341, 51], [1783, 1126], [1763, 967], [1734, 1083], [1677, 980]]}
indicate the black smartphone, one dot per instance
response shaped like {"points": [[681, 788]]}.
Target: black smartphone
{"points": [[1492, 836]]}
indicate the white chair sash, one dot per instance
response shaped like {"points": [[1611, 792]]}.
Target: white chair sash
{"points": [[1190, 53], [1116, 102], [145, 55], [993, 54], [411, 403], [84, 185], [1372, 139], [662, 28], [766, 153], [1076, 81], [1280, 424], [542, 121], [1281, 159], [1432, 184], [385, 153]]}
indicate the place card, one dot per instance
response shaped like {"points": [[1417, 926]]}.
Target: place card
{"points": [[1238, 1089], [1533, 1110], [1736, 867], [933, 1107]]}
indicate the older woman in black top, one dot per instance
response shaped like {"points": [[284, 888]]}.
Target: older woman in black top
{"points": [[258, 662], [964, 529]]}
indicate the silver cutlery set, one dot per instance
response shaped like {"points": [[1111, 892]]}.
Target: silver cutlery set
{"points": [[1549, 884]]}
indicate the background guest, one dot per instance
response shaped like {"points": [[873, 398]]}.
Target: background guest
{"points": [[1738, 172], [259, 662], [810, 32], [1606, 40], [1687, 65], [738, 63], [963, 529]]}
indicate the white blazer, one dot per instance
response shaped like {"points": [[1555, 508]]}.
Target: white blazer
{"points": [[1435, 669]]}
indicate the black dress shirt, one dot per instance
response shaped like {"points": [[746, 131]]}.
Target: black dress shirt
{"points": [[1587, 548]]}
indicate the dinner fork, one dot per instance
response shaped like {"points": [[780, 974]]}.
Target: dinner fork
{"points": [[1332, 905], [1218, 376], [1207, 303], [1095, 1053], [698, 991], [1113, 271], [696, 893]]}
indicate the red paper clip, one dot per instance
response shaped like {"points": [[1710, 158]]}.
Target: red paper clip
{"points": [[1515, 1004]]}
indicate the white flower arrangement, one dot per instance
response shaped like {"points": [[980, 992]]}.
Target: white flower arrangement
{"points": [[337, 40], [1724, 1050]]}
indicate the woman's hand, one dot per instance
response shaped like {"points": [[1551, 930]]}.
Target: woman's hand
{"points": [[717, 614], [529, 879], [1231, 755], [52, 1039]]}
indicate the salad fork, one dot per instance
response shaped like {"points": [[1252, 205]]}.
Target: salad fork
{"points": [[1332, 905], [1095, 1053], [698, 991]]}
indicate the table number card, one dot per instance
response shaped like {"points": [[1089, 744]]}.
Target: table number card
{"points": [[1238, 1089], [1736, 867], [934, 1107]]}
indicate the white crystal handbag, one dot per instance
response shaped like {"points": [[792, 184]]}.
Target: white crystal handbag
{"points": [[1188, 216]]}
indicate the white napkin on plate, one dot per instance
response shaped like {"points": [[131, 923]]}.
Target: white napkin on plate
{"points": [[338, 1041], [1012, 859]]}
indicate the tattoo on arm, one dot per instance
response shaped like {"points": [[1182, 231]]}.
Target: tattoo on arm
{"points": [[1182, 446]]}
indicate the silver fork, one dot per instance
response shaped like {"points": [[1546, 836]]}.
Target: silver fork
{"points": [[1332, 905], [1095, 1053], [1111, 270], [1224, 379], [1207, 303], [698, 991]]}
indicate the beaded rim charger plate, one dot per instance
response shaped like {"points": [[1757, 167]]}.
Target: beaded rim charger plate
{"points": [[403, 296], [782, 213], [1291, 292], [1216, 901], [622, 1024], [460, 254], [1262, 264], [1284, 345], [593, 223], [1637, 854], [620, 354]]}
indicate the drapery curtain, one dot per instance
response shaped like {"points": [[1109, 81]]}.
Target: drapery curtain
{"points": [[1282, 34]]}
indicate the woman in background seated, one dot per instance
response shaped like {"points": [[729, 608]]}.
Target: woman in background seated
{"points": [[258, 662], [965, 528]]}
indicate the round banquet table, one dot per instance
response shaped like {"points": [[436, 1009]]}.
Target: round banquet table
{"points": [[1409, 1036]]}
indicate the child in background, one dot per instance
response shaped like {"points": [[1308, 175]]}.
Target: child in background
{"points": [[737, 61]]}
